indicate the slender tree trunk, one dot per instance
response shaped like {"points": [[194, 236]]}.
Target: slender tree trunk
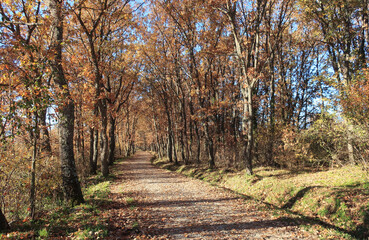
{"points": [[164, 146], [45, 145], [157, 136], [198, 144], [181, 139], [184, 137], [175, 157], [112, 140], [3, 222], [83, 144], [33, 171], [95, 150], [250, 133], [119, 142], [104, 154], [170, 148], [128, 133], [94, 142], [175, 142], [93, 163], [170, 134], [133, 143], [270, 150], [71, 185], [210, 145], [350, 142], [78, 134]]}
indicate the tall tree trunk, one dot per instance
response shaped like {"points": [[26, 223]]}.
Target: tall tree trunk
{"points": [[133, 142], [45, 145], [210, 145], [350, 142], [94, 141], [95, 149], [175, 156], [83, 144], [112, 140], [270, 150], [157, 135], [93, 163], [104, 154], [250, 133], [198, 144], [71, 185], [170, 148], [32, 196], [170, 133], [128, 133], [3, 222], [78, 134], [233, 143], [119, 142], [181, 140], [184, 137]]}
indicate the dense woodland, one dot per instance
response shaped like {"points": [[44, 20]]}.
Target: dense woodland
{"points": [[226, 83]]}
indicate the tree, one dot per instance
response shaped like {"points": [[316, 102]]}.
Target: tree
{"points": [[104, 25], [3, 223], [71, 185], [246, 34], [344, 30]]}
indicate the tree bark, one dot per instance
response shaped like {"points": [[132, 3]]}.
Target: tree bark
{"points": [[32, 196], [210, 145], [157, 136], [104, 154], [170, 148], [170, 134], [3, 222], [112, 140], [198, 137], [71, 185], [250, 133], [94, 138], [45, 145]]}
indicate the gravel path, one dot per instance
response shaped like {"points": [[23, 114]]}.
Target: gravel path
{"points": [[171, 206]]}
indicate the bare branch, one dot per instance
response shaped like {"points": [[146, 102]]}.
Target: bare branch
{"points": [[5, 23]]}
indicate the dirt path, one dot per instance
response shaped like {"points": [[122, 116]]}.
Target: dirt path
{"points": [[170, 206]]}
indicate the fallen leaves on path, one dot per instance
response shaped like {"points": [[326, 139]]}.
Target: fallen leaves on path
{"points": [[151, 203]]}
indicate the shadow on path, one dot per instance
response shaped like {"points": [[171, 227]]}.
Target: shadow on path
{"points": [[214, 227]]}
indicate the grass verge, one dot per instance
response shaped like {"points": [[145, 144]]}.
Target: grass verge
{"points": [[335, 201], [59, 221]]}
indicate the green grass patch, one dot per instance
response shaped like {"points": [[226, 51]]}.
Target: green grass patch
{"points": [[100, 190], [135, 225], [43, 233], [131, 203]]}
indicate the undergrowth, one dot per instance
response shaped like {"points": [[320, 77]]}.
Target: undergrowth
{"points": [[336, 200], [60, 221]]}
